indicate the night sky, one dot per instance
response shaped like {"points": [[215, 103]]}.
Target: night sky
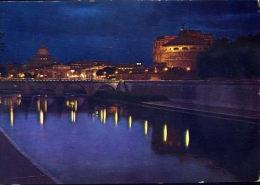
{"points": [[118, 32]]}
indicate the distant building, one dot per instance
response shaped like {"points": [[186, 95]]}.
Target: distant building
{"points": [[42, 59], [12, 69], [86, 63], [181, 51], [58, 72]]}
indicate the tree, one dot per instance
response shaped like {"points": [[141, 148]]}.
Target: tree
{"points": [[227, 59], [106, 71]]}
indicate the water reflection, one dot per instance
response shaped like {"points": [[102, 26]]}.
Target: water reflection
{"points": [[187, 138], [145, 127], [165, 133], [200, 142], [116, 117], [130, 122], [41, 116], [11, 115]]}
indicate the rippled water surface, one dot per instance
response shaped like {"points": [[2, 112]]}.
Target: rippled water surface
{"points": [[80, 140]]}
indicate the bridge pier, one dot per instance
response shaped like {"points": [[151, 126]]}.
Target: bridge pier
{"points": [[26, 90]]}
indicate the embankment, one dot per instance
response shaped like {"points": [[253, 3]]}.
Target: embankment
{"points": [[229, 94]]}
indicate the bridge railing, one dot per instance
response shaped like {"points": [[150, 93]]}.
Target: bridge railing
{"points": [[55, 80]]}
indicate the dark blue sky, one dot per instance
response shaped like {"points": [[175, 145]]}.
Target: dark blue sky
{"points": [[118, 32]]}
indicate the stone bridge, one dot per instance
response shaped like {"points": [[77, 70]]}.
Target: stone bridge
{"points": [[55, 87]]}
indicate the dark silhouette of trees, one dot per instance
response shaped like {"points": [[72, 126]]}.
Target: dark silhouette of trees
{"points": [[228, 59], [107, 71]]}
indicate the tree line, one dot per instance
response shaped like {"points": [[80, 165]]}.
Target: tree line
{"points": [[231, 59]]}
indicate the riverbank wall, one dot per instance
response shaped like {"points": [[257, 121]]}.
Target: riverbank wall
{"points": [[229, 94]]}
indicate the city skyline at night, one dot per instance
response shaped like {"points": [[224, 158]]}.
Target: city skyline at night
{"points": [[118, 32]]}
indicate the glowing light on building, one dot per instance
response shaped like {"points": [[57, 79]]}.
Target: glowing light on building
{"points": [[188, 68], [155, 70], [41, 117], [145, 127], [116, 117], [165, 133], [130, 122], [187, 138]]}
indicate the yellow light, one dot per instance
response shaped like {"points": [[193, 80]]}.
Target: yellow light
{"points": [[104, 115], [41, 117], [165, 133], [67, 103], [188, 68], [45, 104], [116, 117], [75, 105], [39, 104], [12, 115], [130, 122], [73, 116], [101, 115], [145, 127], [187, 138], [19, 100]]}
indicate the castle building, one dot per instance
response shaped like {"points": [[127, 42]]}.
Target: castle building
{"points": [[181, 51]]}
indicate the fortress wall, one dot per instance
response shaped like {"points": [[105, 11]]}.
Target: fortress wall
{"points": [[238, 95]]}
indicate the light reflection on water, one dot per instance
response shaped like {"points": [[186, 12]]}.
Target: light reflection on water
{"points": [[79, 140]]}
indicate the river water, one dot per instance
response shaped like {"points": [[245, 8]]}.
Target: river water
{"points": [[81, 140]]}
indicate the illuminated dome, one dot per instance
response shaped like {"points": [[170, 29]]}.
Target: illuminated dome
{"points": [[43, 51]]}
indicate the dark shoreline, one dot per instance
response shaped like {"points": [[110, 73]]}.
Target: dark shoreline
{"points": [[16, 168]]}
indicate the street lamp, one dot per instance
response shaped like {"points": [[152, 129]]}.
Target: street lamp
{"points": [[72, 71], [164, 71], [145, 71]]}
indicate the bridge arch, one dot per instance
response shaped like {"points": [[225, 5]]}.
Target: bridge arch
{"points": [[106, 86], [75, 88], [42, 88]]}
